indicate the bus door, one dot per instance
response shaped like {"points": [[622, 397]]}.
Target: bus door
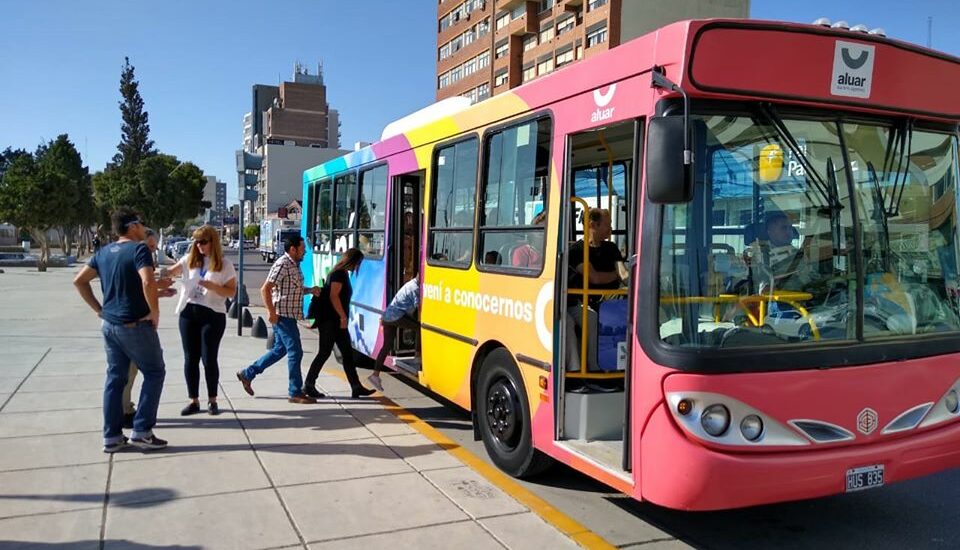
{"points": [[593, 404], [405, 247]]}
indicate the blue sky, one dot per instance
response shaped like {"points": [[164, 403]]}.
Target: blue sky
{"points": [[60, 63]]}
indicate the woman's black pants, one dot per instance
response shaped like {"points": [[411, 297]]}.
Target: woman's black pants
{"points": [[201, 330], [330, 334]]}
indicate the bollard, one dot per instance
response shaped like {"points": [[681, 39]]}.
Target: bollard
{"points": [[247, 318], [229, 302], [259, 329], [244, 298], [270, 341], [232, 313]]}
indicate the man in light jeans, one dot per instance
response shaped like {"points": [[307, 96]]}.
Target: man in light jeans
{"points": [[282, 294], [130, 315]]}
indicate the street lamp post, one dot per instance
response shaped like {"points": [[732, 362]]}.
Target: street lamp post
{"points": [[247, 166]]}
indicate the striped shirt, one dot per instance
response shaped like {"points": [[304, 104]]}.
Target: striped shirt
{"points": [[288, 292]]}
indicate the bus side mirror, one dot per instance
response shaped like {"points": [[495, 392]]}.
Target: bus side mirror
{"points": [[669, 180]]}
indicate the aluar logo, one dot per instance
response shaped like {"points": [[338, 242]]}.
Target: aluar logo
{"points": [[602, 99], [852, 69]]}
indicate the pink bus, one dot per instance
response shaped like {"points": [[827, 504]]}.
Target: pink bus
{"points": [[713, 267]]}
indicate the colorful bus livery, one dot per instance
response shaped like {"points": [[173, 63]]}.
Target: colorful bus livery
{"points": [[713, 267]]}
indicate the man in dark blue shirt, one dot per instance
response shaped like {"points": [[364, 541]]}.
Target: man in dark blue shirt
{"points": [[130, 315]]}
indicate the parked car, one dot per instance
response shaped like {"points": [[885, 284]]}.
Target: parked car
{"points": [[180, 249], [170, 242]]}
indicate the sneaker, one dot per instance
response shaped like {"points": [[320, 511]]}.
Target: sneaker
{"points": [[192, 408], [150, 443], [128, 420], [116, 446], [362, 392], [213, 408], [312, 392], [301, 400], [374, 380], [246, 383]]}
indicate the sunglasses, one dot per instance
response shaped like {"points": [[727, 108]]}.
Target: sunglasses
{"points": [[203, 241]]}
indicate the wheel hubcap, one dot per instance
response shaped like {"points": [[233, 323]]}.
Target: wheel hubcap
{"points": [[502, 419]]}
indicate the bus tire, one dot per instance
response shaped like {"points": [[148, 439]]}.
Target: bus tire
{"points": [[503, 416]]}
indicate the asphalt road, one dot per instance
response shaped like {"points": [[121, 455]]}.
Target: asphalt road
{"points": [[920, 513]]}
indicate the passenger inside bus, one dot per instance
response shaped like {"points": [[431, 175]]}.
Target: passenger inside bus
{"points": [[606, 271], [528, 252]]}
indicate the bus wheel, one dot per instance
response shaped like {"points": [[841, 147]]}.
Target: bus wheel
{"points": [[504, 418]]}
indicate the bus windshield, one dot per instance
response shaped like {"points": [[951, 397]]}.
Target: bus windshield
{"points": [[811, 230]]}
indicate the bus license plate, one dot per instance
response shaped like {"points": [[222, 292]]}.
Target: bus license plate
{"points": [[867, 477]]}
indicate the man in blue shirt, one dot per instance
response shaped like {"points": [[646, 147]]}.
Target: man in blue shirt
{"points": [[401, 313], [130, 315]]}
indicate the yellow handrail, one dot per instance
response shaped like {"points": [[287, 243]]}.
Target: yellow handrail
{"points": [[585, 291]]}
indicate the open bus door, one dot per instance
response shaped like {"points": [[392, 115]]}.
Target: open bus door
{"points": [[405, 256], [593, 405]]}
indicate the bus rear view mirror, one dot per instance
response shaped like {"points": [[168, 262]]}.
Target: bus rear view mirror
{"points": [[669, 179]]}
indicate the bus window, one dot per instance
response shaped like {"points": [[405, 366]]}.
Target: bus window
{"points": [[324, 212], [373, 207], [344, 211], [517, 169], [452, 204]]}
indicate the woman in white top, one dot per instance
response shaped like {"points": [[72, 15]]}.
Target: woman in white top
{"points": [[207, 280]]}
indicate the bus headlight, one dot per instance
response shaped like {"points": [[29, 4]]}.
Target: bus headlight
{"points": [[951, 401], [715, 420], [751, 427]]}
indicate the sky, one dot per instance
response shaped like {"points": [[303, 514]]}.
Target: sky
{"points": [[196, 61]]}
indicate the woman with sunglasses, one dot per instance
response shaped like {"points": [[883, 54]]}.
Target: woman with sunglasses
{"points": [[207, 280]]}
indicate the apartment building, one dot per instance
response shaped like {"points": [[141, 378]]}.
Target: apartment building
{"points": [[485, 47]]}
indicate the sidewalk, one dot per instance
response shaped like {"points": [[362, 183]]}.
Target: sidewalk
{"points": [[264, 474]]}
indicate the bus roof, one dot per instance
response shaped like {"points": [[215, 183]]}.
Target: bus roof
{"points": [[719, 59]]}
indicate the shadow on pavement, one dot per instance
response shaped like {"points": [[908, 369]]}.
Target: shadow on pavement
{"points": [[121, 499]]}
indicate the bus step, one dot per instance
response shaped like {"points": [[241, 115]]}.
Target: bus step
{"points": [[408, 364]]}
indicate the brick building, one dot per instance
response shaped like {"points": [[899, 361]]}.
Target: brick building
{"points": [[485, 47]]}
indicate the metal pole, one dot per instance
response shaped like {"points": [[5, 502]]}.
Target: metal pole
{"points": [[240, 262]]}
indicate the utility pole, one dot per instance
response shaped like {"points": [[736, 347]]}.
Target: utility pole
{"points": [[930, 32]]}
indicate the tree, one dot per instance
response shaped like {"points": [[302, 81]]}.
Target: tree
{"points": [[32, 198], [135, 143], [60, 164], [251, 232]]}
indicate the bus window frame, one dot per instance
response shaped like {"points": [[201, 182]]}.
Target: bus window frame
{"points": [[349, 231], [842, 353], [387, 187], [431, 207], [503, 269], [318, 230]]}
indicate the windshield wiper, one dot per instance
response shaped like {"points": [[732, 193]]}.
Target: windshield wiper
{"points": [[901, 139], [827, 192], [880, 211]]}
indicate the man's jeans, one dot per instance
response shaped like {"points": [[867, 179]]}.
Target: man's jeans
{"points": [[137, 342], [286, 341]]}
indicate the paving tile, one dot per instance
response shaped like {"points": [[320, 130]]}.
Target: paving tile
{"points": [[527, 531], [9, 383], [360, 506], [380, 421], [52, 490], [252, 519], [66, 400], [290, 464], [472, 492], [303, 425], [463, 534], [3, 398], [51, 450], [673, 544], [421, 453], [73, 530], [184, 475], [21, 424], [77, 382]]}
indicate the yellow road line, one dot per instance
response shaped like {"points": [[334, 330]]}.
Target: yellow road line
{"points": [[564, 523]]}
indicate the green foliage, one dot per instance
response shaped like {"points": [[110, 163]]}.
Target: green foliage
{"points": [[251, 231], [135, 143]]}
